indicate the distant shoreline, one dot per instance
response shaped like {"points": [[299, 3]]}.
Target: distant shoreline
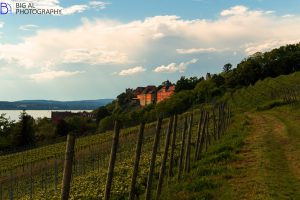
{"points": [[54, 105], [14, 114]]}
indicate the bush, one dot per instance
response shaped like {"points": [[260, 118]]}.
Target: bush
{"points": [[106, 124]]}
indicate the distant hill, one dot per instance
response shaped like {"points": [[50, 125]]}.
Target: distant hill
{"points": [[53, 105]]}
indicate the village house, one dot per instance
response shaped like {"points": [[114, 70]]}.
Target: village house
{"points": [[149, 95], [165, 92]]}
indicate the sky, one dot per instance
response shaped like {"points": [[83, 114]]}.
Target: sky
{"points": [[96, 49]]}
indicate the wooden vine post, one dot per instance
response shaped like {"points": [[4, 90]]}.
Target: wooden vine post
{"points": [[173, 146], [219, 122], [67, 174], [202, 139], [138, 151], [112, 160], [182, 148], [187, 163], [164, 160], [214, 124], [198, 135], [153, 158]]}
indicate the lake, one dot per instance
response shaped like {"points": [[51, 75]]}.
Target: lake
{"points": [[14, 114]]}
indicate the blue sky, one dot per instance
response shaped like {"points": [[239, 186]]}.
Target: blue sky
{"points": [[96, 49]]}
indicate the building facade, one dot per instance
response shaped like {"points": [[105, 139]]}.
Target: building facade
{"points": [[149, 95], [165, 93]]}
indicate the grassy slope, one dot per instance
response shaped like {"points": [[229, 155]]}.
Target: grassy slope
{"points": [[258, 159], [209, 175], [269, 165]]}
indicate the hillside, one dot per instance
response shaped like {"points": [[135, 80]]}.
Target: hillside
{"points": [[259, 158], [255, 159]]}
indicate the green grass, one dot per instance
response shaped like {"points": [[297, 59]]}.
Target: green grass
{"points": [[282, 184], [257, 159], [265, 94], [208, 178]]}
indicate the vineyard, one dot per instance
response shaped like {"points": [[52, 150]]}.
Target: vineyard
{"points": [[268, 93], [137, 162], [38, 173]]}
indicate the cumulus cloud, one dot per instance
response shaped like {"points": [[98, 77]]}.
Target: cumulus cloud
{"points": [[93, 56], [132, 71], [174, 67], [98, 5], [288, 15], [1, 24], [197, 50], [28, 27], [157, 36], [103, 42], [252, 48], [236, 10], [50, 75], [74, 9]]}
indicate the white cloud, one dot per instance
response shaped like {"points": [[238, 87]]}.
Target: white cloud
{"points": [[103, 41], [98, 5], [197, 50], [132, 71], [74, 9], [270, 12], [252, 48], [236, 10], [93, 56], [50, 75], [28, 27], [158, 36], [288, 15], [1, 24], [173, 67]]}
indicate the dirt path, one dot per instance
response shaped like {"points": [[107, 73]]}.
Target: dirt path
{"points": [[269, 163]]}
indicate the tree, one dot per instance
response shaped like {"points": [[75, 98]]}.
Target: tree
{"points": [[218, 80], [24, 133], [6, 127], [101, 112], [62, 128], [227, 67], [77, 124], [44, 129], [187, 83], [106, 124], [166, 83], [125, 98]]}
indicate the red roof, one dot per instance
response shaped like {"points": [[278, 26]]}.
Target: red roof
{"points": [[167, 89], [149, 89]]}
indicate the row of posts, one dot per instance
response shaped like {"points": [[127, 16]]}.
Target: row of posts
{"points": [[203, 138]]}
